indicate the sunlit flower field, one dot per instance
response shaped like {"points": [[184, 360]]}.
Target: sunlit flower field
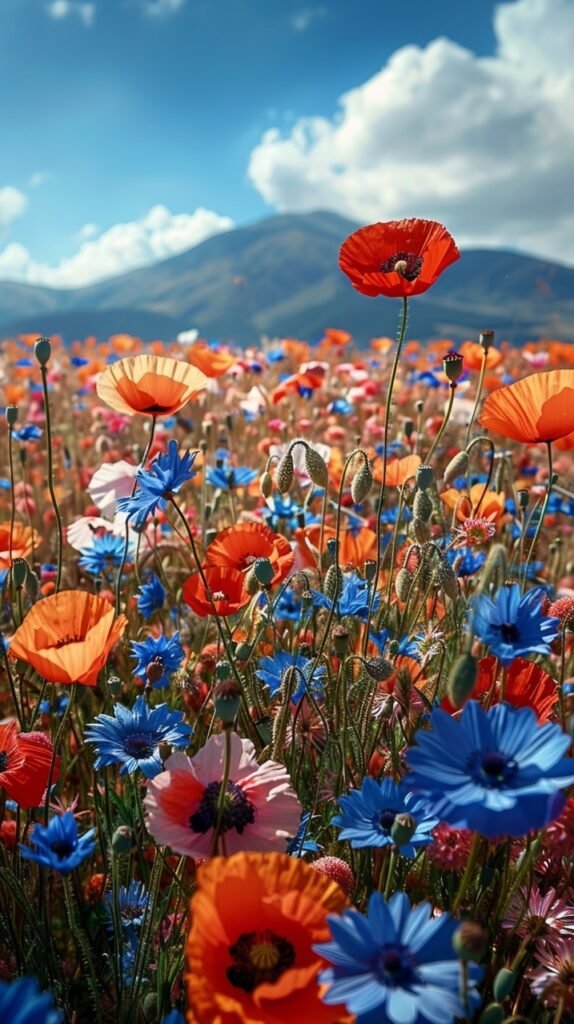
{"points": [[287, 672]]}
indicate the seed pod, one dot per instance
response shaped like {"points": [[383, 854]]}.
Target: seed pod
{"points": [[504, 982], [493, 1014], [333, 582], [462, 679], [264, 571], [379, 669], [425, 477], [403, 581], [226, 700], [285, 473], [445, 578], [266, 484], [422, 506], [11, 415], [403, 828], [456, 466], [316, 467], [420, 530], [362, 483], [470, 941], [43, 350], [453, 366], [486, 339]]}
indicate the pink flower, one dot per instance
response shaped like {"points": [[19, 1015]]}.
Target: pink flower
{"points": [[261, 809], [540, 916], [552, 980], [450, 848], [111, 481]]}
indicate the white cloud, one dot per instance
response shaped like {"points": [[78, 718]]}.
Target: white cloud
{"points": [[60, 9], [306, 16], [87, 231], [12, 205], [123, 247], [38, 178], [484, 144], [162, 8]]}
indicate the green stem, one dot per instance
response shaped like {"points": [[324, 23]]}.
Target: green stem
{"points": [[443, 425], [542, 511], [478, 397], [127, 533], [467, 876], [222, 791], [54, 500]]}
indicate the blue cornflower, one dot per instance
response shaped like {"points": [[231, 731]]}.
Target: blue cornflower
{"points": [[28, 433], [272, 669], [468, 560], [341, 406], [281, 509], [21, 1002], [369, 814], [132, 905], [58, 844], [151, 597], [167, 473], [512, 625], [302, 842], [174, 1017], [55, 707], [104, 553], [497, 772], [165, 652], [396, 964], [133, 735], [353, 599], [227, 477], [288, 606]]}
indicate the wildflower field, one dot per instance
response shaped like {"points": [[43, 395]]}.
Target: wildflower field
{"points": [[287, 672]]}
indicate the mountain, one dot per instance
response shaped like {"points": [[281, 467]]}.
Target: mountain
{"points": [[280, 277]]}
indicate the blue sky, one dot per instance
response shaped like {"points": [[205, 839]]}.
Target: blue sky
{"points": [[111, 109]]}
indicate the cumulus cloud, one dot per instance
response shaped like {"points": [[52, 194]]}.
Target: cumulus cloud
{"points": [[12, 205], [59, 9], [123, 247], [485, 144], [162, 8]]}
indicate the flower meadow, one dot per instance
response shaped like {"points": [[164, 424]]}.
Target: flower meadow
{"points": [[287, 673]]}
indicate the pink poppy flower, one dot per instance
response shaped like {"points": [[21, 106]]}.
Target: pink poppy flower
{"points": [[261, 808]]}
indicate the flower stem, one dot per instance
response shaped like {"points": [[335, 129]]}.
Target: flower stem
{"points": [[223, 791], [127, 533], [54, 500], [478, 397], [542, 511], [470, 866], [443, 425]]}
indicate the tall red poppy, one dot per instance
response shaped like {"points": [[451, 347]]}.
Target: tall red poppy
{"points": [[398, 258], [239, 546], [226, 591], [537, 408], [25, 762]]}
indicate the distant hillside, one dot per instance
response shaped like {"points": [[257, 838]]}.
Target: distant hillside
{"points": [[280, 277]]}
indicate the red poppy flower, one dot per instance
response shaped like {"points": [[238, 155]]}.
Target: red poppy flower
{"points": [[527, 686], [239, 546], [537, 408], [398, 258], [226, 590], [25, 762]]}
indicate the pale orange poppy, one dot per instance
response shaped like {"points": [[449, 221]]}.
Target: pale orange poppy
{"points": [[535, 409], [150, 385]]}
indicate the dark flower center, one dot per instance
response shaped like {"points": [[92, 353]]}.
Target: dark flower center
{"points": [[509, 632], [68, 640], [139, 745], [238, 811], [62, 848], [259, 957], [492, 769], [3, 760], [387, 820], [395, 965], [407, 264]]}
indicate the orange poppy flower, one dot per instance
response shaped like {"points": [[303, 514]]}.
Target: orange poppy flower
{"points": [[490, 505], [14, 393], [24, 540], [25, 763], [239, 546], [211, 362], [527, 686], [297, 350], [537, 408], [226, 589], [398, 470], [399, 258], [124, 342], [382, 345], [473, 355], [67, 637], [255, 918], [151, 385], [334, 338]]}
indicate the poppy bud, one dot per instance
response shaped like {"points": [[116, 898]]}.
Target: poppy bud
{"points": [[123, 839], [316, 467], [504, 982], [266, 484], [462, 679], [43, 350], [493, 1014], [332, 548], [445, 577], [226, 700], [470, 941], [362, 483], [456, 466], [333, 582], [150, 1006], [222, 671], [154, 671], [409, 429], [425, 477], [243, 651], [263, 571], [422, 506], [403, 828], [285, 473], [486, 340], [369, 569], [420, 530], [11, 415], [19, 572], [453, 366], [379, 669], [403, 581], [340, 638]]}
